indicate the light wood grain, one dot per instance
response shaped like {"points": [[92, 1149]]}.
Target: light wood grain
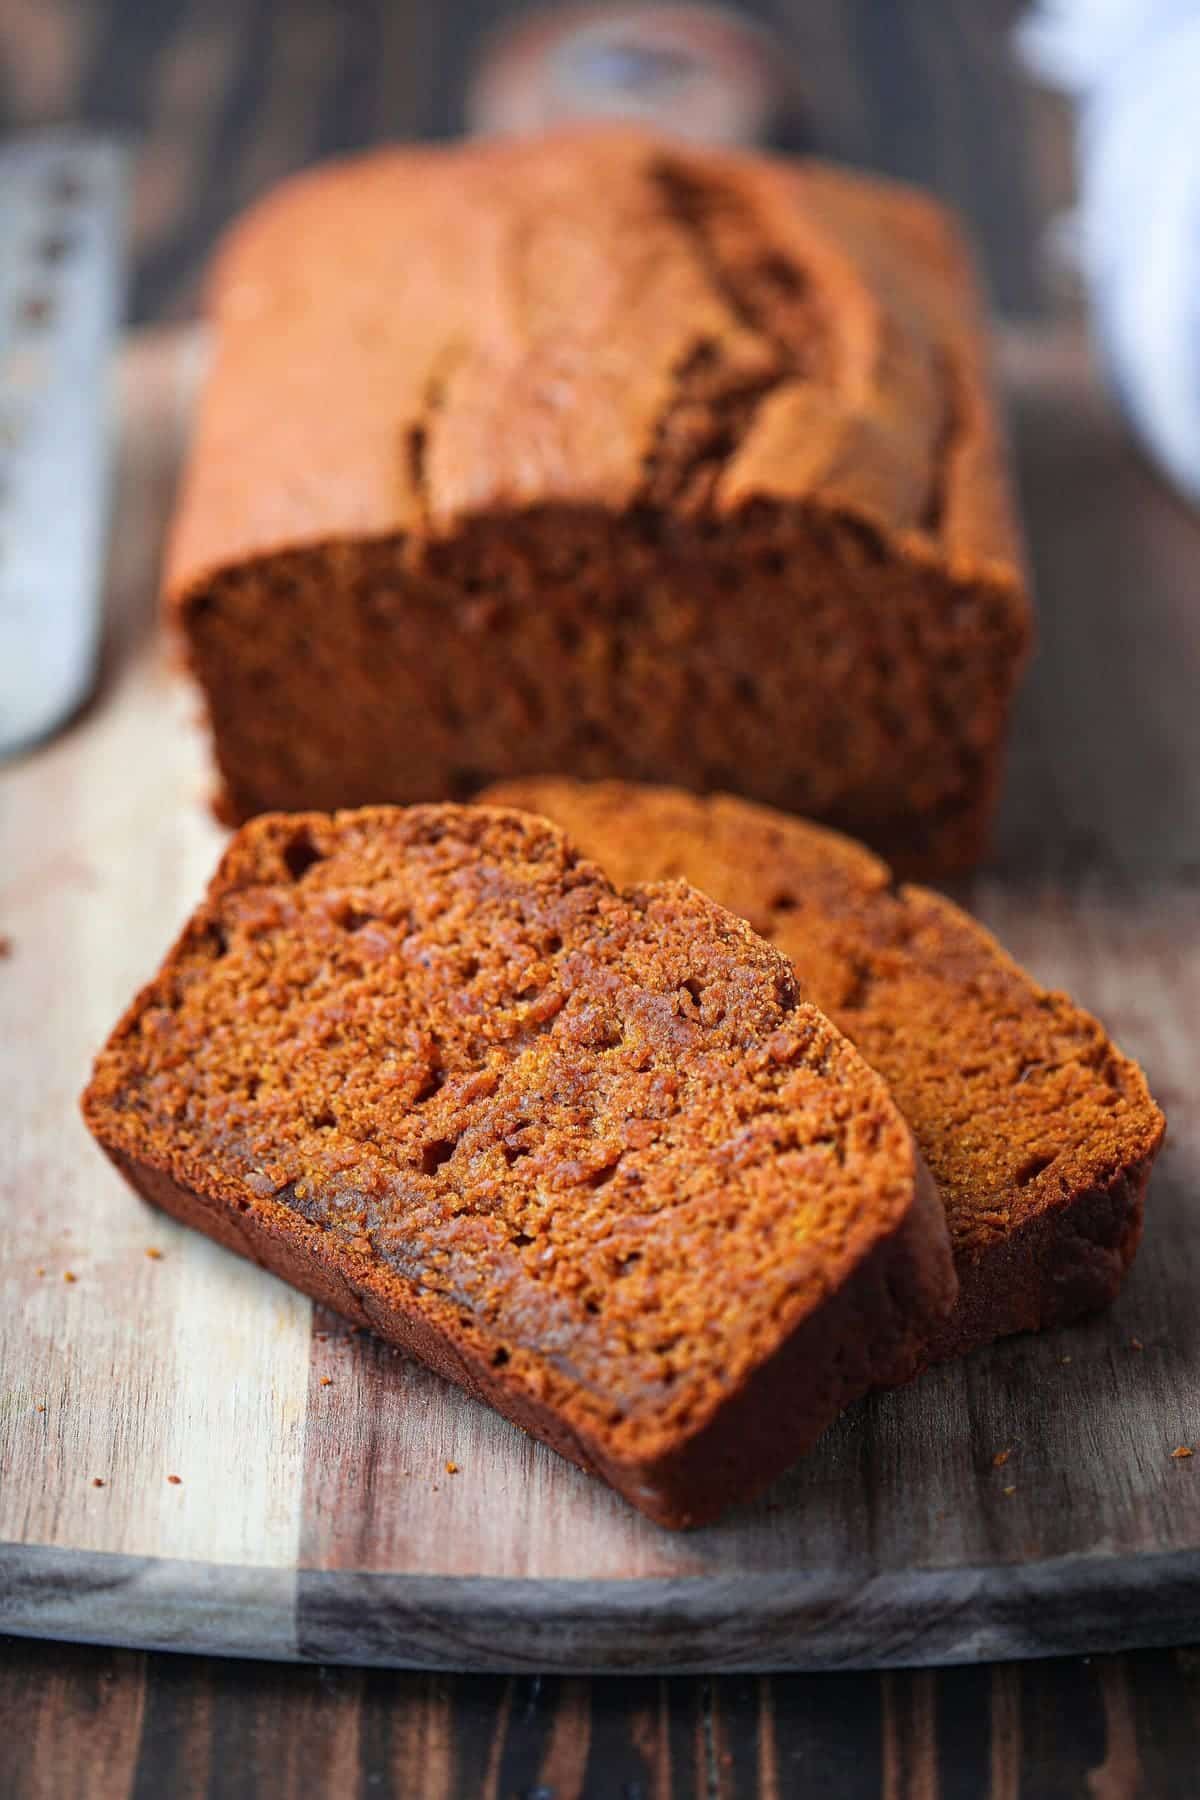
{"points": [[144, 1367], [314, 1515]]}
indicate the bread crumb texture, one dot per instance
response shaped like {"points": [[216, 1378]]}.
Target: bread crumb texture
{"points": [[1039, 1133], [596, 1139]]}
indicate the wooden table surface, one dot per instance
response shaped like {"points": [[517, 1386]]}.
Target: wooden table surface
{"points": [[225, 96], [81, 1724]]}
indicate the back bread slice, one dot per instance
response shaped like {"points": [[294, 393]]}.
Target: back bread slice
{"points": [[588, 1154], [1039, 1133]]}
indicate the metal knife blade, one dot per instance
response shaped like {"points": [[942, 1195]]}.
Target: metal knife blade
{"points": [[62, 229]]}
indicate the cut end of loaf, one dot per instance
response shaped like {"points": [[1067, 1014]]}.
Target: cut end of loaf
{"points": [[768, 654]]}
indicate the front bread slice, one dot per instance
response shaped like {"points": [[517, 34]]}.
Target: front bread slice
{"points": [[586, 1153]]}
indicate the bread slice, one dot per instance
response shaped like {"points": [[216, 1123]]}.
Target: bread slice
{"points": [[588, 1154], [1039, 1133]]}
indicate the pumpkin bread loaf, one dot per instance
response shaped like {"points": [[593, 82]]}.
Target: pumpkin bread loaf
{"points": [[1039, 1133], [606, 455], [586, 1153]]}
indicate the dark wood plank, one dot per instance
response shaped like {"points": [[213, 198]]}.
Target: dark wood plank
{"points": [[1063, 1729], [86, 1724], [70, 1720], [822, 1734], [968, 1733], [226, 100]]}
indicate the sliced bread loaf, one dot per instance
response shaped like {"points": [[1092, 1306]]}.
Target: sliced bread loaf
{"points": [[588, 1154], [590, 454]]}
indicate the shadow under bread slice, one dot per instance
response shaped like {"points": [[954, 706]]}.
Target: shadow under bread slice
{"points": [[1038, 1131], [587, 1153]]}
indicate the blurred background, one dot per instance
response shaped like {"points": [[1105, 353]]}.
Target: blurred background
{"points": [[223, 97]]}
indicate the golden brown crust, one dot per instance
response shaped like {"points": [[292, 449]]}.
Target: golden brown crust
{"points": [[522, 316], [433, 1068], [1039, 1133]]}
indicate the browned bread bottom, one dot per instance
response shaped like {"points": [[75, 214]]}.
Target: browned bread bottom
{"points": [[586, 1153], [1039, 1133]]}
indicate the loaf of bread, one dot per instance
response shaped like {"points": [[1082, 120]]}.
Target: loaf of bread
{"points": [[611, 456], [1039, 1133], [586, 1153]]}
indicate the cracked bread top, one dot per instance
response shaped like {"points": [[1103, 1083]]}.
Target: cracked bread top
{"points": [[539, 1111], [602, 318]]}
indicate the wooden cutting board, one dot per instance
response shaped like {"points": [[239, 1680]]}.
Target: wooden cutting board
{"points": [[191, 1457]]}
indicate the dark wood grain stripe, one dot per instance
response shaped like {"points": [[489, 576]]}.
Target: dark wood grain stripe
{"points": [[1119, 1776], [71, 1720], [910, 1735], [630, 1743], [104, 1725], [828, 1733], [965, 1732], [1004, 1758], [732, 1736], [768, 1744], [1062, 1727]]}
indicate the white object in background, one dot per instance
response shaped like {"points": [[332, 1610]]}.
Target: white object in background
{"points": [[1134, 66], [62, 208]]}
